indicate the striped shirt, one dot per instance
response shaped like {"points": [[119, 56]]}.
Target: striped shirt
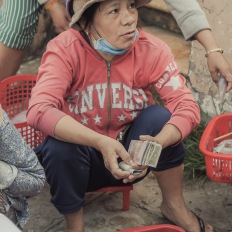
{"points": [[18, 22]]}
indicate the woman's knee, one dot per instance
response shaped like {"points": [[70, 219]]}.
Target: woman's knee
{"points": [[55, 149], [149, 122], [156, 112], [154, 118], [59, 152]]}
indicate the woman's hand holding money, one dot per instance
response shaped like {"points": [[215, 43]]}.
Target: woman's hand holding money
{"points": [[131, 178], [136, 171], [111, 150], [169, 135]]}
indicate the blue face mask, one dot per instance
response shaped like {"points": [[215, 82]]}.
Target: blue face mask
{"points": [[103, 46]]}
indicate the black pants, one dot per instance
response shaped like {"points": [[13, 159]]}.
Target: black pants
{"points": [[72, 170]]}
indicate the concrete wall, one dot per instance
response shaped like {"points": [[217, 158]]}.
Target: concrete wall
{"points": [[219, 17]]}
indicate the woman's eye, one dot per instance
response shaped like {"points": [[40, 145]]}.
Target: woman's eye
{"points": [[114, 11]]}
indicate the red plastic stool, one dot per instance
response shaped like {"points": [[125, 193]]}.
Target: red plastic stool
{"points": [[125, 191], [155, 228]]}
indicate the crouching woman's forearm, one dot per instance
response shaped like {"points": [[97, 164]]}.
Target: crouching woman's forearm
{"points": [[22, 174], [28, 182]]}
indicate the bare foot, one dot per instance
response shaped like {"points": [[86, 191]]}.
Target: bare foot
{"points": [[185, 219]]}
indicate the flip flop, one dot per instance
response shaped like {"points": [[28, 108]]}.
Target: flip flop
{"points": [[201, 222]]}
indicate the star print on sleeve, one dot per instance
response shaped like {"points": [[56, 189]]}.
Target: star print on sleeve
{"points": [[121, 118], [133, 114], [97, 119], [174, 82], [85, 121]]}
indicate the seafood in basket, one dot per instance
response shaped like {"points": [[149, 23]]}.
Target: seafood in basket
{"points": [[224, 147]]}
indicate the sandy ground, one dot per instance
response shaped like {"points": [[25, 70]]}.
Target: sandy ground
{"points": [[103, 211]]}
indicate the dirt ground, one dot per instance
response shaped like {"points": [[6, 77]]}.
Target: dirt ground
{"points": [[103, 211]]}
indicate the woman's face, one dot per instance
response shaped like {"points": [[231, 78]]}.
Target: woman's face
{"points": [[116, 21]]}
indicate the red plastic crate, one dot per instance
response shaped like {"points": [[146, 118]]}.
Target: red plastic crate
{"points": [[155, 228], [15, 93], [218, 166]]}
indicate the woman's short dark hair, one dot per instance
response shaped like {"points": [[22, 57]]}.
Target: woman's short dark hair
{"points": [[88, 15]]}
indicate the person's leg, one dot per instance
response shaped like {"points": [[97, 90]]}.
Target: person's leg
{"points": [[149, 122], [10, 61], [18, 24], [173, 205], [67, 169], [169, 171], [71, 171], [74, 221]]}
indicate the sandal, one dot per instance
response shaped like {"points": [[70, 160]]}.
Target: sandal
{"points": [[201, 222]]}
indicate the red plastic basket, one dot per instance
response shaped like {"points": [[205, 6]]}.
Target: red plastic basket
{"points": [[15, 93], [155, 228], [218, 166]]}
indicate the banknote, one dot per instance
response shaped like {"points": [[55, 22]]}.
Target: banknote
{"points": [[135, 147], [145, 152], [155, 154], [129, 169]]}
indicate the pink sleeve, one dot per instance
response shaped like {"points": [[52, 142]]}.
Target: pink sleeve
{"points": [[46, 106], [171, 87]]}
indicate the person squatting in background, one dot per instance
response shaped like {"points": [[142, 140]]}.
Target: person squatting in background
{"points": [[21, 174], [93, 85]]}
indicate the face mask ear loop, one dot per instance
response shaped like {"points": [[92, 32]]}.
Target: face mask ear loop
{"points": [[95, 33]]}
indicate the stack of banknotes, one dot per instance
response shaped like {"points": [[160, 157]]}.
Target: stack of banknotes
{"points": [[144, 153]]}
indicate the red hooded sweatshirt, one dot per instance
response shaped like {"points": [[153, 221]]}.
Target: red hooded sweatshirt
{"points": [[75, 80]]}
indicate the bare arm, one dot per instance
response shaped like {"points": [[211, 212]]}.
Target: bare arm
{"points": [[168, 136], [193, 23], [69, 130], [216, 61]]}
